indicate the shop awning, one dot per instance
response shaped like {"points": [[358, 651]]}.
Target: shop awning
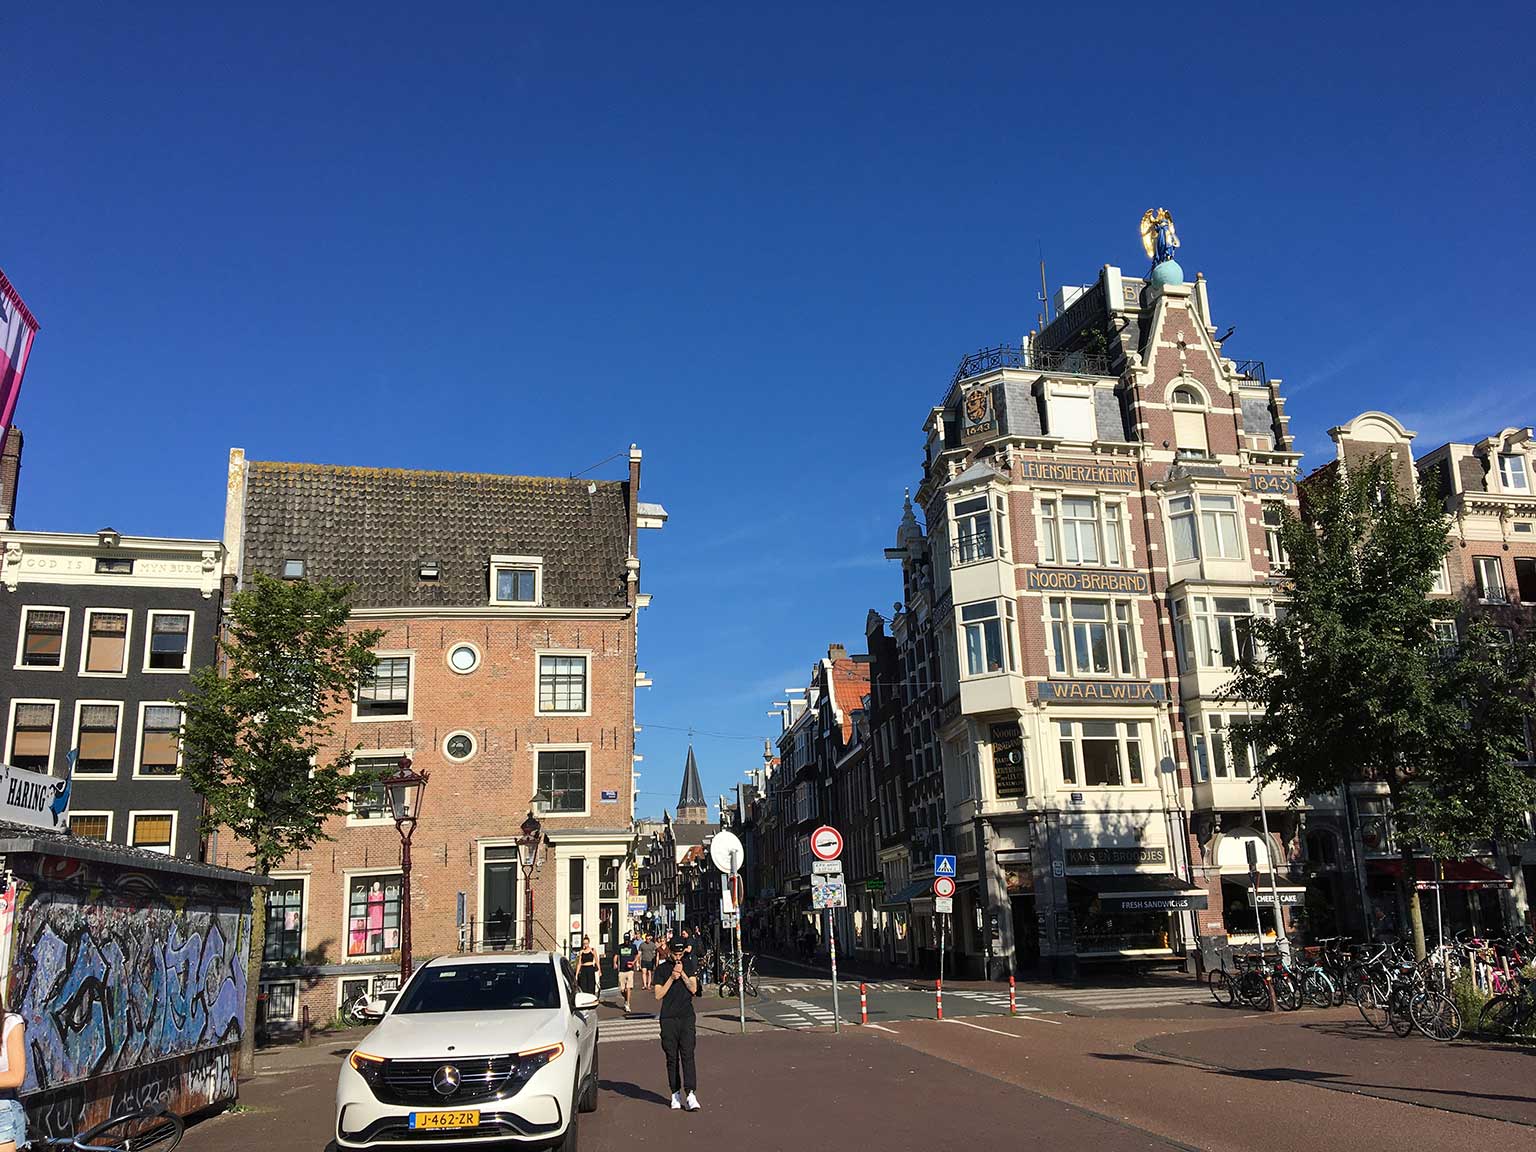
{"points": [[1464, 874], [905, 896], [1142, 892]]}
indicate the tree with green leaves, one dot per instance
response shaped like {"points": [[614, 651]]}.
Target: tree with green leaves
{"points": [[258, 727], [1352, 683]]}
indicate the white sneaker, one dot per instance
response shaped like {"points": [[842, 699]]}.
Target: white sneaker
{"points": [[693, 1102], [677, 1101]]}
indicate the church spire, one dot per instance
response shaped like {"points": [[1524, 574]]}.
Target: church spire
{"points": [[691, 807]]}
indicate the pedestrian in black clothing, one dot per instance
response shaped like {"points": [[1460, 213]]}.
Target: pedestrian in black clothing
{"points": [[677, 982]]}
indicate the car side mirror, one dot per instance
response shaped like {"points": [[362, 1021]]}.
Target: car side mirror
{"points": [[584, 1002], [375, 1008]]}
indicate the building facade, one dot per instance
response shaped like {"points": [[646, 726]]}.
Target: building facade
{"points": [[506, 671]]}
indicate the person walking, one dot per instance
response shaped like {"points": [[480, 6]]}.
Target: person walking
{"points": [[677, 982], [647, 960], [624, 961], [586, 967], [13, 1074]]}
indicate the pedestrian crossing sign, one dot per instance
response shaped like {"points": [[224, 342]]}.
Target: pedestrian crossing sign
{"points": [[944, 866]]}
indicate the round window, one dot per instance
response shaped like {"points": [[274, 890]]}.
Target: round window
{"points": [[463, 657], [459, 746]]}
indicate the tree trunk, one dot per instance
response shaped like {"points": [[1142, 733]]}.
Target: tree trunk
{"points": [[1410, 892], [253, 979]]}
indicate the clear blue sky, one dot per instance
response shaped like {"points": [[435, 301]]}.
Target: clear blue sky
{"points": [[517, 237]]}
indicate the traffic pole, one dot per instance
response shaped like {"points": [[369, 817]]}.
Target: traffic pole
{"points": [[1013, 1001], [741, 975], [938, 996], [837, 1019], [863, 1004]]}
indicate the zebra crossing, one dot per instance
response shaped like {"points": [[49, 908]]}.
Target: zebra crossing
{"points": [[778, 988], [998, 1000], [799, 1014], [619, 1031], [1114, 999]]}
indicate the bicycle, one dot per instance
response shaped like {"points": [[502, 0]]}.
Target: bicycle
{"points": [[1510, 1013], [728, 977], [1398, 995], [151, 1130]]}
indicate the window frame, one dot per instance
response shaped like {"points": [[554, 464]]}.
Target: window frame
{"points": [[1195, 499], [149, 640], [1127, 732], [347, 876], [1070, 394], [293, 985], [1007, 637], [582, 654], [21, 639], [1207, 518], [138, 743], [387, 816], [303, 881], [53, 735], [1189, 409], [1446, 635], [117, 742], [1482, 586], [1514, 458], [1116, 629], [534, 563], [85, 642], [410, 688], [544, 811], [133, 821], [474, 746], [454, 646], [1442, 582], [1525, 579], [93, 813], [1110, 517], [1274, 543]]}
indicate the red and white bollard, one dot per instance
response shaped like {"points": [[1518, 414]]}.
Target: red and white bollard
{"points": [[863, 1005], [1013, 1002], [938, 997]]}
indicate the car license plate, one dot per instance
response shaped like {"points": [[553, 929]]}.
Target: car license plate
{"points": [[445, 1119]]}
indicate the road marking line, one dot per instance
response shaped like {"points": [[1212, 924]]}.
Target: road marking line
{"points": [[994, 1031], [883, 1028]]}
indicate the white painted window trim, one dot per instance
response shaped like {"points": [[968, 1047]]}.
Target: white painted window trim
{"points": [[474, 746], [95, 812], [1102, 527], [304, 880], [518, 895], [21, 638], [586, 749], [138, 741], [149, 637], [410, 689], [117, 749], [1125, 726], [453, 646], [133, 819], [53, 736], [538, 661], [536, 563], [294, 984], [85, 642], [347, 876], [374, 754]]}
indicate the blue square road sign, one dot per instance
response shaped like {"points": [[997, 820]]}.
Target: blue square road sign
{"points": [[944, 866]]}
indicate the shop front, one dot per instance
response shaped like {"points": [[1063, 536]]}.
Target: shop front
{"points": [[1130, 914], [1461, 896]]}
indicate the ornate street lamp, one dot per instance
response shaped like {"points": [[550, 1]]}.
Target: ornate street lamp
{"points": [[530, 855], [405, 790]]}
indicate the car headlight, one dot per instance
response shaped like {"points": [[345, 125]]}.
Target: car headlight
{"points": [[530, 1062], [370, 1068]]}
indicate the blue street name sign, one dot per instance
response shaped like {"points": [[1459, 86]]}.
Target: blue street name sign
{"points": [[943, 865]]}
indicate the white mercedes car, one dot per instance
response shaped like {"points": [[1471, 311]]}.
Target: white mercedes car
{"points": [[480, 1049]]}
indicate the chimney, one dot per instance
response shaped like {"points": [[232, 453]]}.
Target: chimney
{"points": [[836, 652], [10, 476]]}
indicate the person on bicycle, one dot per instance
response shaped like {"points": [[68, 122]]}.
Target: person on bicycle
{"points": [[13, 1074]]}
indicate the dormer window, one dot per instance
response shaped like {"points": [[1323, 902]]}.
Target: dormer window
{"points": [[293, 569], [1069, 411], [1189, 423], [517, 580], [1512, 473]]}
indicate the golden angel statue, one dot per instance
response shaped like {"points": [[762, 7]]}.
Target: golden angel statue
{"points": [[1157, 234]]}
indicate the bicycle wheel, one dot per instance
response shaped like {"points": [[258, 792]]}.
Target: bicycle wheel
{"points": [[1435, 1016], [751, 985], [147, 1131], [1371, 999], [1287, 991], [1499, 1016], [1399, 1015], [1221, 987], [1318, 989]]}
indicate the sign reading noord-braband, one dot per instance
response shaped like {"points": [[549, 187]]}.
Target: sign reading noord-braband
{"points": [[1120, 475], [1085, 580]]}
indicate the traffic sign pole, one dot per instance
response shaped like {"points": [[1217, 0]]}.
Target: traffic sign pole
{"points": [[837, 1019], [741, 976]]}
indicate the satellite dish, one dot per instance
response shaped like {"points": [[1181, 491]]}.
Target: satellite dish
{"points": [[723, 847]]}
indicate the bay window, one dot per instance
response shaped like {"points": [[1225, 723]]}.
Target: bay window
{"points": [[1083, 530], [988, 637], [1092, 637], [1100, 753], [1212, 631], [1229, 756], [1274, 544], [1205, 524], [981, 529]]}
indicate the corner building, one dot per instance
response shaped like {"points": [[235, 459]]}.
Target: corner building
{"points": [[1099, 503], [507, 668]]}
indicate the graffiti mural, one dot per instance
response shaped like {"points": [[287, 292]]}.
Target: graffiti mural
{"points": [[124, 974]]}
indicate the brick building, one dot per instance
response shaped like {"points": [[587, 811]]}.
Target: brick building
{"points": [[506, 671]]}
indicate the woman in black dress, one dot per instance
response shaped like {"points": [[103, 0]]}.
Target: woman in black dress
{"points": [[586, 966]]}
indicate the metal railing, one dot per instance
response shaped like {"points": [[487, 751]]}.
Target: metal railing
{"points": [[971, 549], [1251, 370], [1031, 359]]}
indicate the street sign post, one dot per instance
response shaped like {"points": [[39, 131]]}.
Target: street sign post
{"points": [[826, 867], [828, 891], [727, 853], [943, 887], [944, 866], [826, 843], [944, 904]]}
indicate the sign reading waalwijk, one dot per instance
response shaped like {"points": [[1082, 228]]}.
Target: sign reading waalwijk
{"points": [[1100, 691]]}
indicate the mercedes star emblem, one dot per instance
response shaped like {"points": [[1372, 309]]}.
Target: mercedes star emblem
{"points": [[445, 1081]]}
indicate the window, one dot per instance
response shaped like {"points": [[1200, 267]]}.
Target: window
{"points": [[463, 658], [1080, 530], [114, 566], [1069, 412], [1525, 579], [282, 1000], [1442, 582], [562, 777], [169, 649], [516, 579], [371, 801], [373, 915], [1512, 477], [1212, 631], [1189, 436], [160, 743], [988, 638], [973, 530], [1490, 579], [154, 831], [459, 746], [91, 825], [1274, 543], [32, 734], [562, 684], [285, 922], [293, 569], [1219, 529], [385, 693], [1445, 637], [1100, 753], [106, 643], [515, 985], [1092, 637], [96, 728], [1228, 758], [42, 638]]}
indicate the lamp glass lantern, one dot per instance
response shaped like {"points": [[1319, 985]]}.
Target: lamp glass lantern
{"points": [[404, 790]]}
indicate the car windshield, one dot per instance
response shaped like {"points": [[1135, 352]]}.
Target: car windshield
{"points": [[482, 988]]}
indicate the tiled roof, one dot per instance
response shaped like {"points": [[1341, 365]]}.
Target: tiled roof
{"points": [[850, 684], [373, 527]]}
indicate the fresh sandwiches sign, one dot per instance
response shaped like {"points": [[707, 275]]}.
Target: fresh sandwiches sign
{"points": [[36, 799]]}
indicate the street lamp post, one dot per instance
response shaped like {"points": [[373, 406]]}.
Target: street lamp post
{"points": [[405, 790], [529, 848]]}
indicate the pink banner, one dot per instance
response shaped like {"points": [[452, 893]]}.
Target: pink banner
{"points": [[17, 327]]}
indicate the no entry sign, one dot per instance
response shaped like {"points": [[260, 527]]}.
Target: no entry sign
{"points": [[826, 843], [943, 886]]}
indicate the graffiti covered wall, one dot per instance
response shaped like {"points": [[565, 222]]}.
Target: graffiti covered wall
{"points": [[118, 974]]}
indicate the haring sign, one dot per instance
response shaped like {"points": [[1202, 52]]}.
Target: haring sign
{"points": [[36, 799]]}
